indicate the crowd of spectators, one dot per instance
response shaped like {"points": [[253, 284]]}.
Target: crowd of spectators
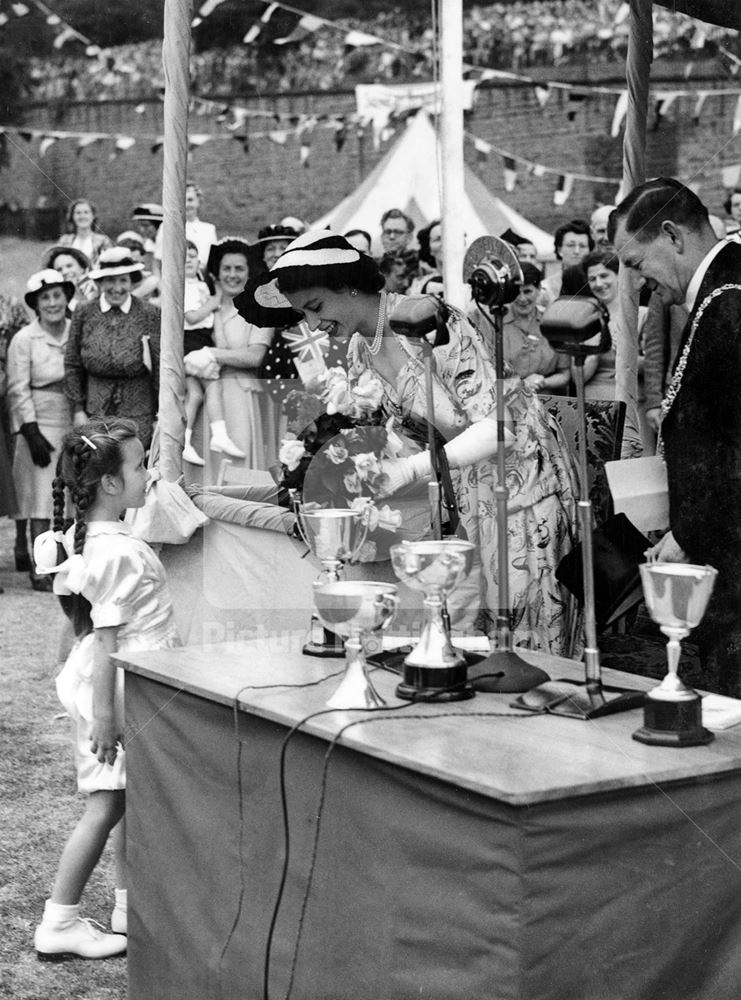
{"points": [[511, 36]]}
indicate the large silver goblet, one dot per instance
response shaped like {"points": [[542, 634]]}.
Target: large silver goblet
{"points": [[335, 536], [354, 609], [677, 595], [434, 668]]}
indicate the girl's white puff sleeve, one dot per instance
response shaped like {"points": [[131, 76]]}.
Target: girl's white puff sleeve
{"points": [[110, 584]]}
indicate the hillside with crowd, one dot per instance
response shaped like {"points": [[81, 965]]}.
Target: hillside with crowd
{"points": [[513, 36]]}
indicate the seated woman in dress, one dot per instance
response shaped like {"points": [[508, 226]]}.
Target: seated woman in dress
{"points": [[321, 279], [111, 363], [39, 411]]}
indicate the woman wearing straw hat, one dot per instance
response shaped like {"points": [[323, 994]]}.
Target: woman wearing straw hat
{"points": [[325, 281], [112, 359], [74, 266], [39, 411]]}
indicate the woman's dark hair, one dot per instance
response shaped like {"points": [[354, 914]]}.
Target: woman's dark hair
{"points": [[87, 454], [729, 199], [69, 221], [362, 274], [606, 258], [423, 238], [579, 226], [531, 275], [359, 232]]}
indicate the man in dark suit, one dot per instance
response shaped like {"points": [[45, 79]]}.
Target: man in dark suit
{"points": [[661, 230]]}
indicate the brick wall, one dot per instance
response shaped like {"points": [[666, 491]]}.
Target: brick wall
{"points": [[246, 189]]}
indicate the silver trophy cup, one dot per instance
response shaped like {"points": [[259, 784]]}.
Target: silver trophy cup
{"points": [[677, 595], [434, 668], [335, 536], [354, 609]]}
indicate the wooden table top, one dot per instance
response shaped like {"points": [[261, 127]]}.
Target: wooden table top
{"points": [[483, 745]]}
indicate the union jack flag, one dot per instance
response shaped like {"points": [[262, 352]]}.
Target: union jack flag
{"points": [[309, 345]]}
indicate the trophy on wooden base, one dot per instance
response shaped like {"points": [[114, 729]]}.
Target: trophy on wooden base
{"points": [[677, 595]]}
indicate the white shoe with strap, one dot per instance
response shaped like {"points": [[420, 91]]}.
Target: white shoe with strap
{"points": [[78, 938]]}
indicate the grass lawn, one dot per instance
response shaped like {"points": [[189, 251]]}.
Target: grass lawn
{"points": [[39, 804]]}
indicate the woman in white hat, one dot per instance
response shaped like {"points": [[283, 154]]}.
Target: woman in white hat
{"points": [[39, 411], [112, 358]]}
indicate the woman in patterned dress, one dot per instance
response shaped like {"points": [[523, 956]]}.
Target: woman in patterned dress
{"points": [[321, 279], [111, 363]]}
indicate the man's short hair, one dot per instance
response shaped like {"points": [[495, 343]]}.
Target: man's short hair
{"points": [[649, 205], [396, 213]]}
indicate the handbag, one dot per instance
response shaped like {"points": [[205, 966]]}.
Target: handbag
{"points": [[618, 548]]}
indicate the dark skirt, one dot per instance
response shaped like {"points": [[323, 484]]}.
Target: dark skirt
{"points": [[194, 340], [8, 502]]}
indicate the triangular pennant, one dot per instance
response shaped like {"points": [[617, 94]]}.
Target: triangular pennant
{"points": [[357, 39], [664, 101], [340, 137], [208, 7], [194, 141], [279, 137], [244, 142], [730, 176], [304, 152], [3, 19], [737, 117], [19, 9], [124, 142], [510, 173], [307, 25], [699, 105], [240, 117], [67, 34], [157, 145], [563, 190], [196, 21], [46, 143], [53, 20], [140, 109], [252, 33], [538, 170], [483, 149], [574, 101], [92, 51], [87, 140], [28, 136], [542, 94]]}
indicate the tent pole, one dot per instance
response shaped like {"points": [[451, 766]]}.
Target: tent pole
{"points": [[451, 145], [176, 61], [638, 73]]}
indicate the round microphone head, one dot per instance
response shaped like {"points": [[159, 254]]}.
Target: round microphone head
{"points": [[491, 248]]}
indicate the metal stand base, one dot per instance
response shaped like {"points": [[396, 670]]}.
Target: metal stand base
{"points": [[579, 701], [503, 671], [432, 684]]}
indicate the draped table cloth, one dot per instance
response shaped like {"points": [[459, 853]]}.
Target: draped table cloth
{"points": [[465, 850]]}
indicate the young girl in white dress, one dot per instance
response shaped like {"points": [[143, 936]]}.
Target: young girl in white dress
{"points": [[113, 588]]}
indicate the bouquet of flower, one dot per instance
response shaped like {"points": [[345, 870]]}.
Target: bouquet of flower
{"points": [[336, 458]]}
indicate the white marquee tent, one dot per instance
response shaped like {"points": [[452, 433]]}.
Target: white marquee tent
{"points": [[407, 178]]}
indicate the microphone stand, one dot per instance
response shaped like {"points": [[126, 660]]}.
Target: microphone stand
{"points": [[503, 670], [588, 700]]}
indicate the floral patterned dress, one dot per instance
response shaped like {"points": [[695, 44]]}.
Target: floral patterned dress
{"points": [[541, 479]]}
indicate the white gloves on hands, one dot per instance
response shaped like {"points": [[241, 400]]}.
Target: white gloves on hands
{"points": [[403, 471], [202, 364]]}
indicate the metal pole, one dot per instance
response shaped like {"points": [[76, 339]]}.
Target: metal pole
{"points": [[176, 63], [451, 142]]}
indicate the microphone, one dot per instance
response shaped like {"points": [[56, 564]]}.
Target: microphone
{"points": [[569, 321], [493, 271], [418, 315]]}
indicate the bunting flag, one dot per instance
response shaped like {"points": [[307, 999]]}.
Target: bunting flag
{"points": [[510, 173], [575, 101], [737, 117], [257, 27], [359, 39], [45, 145], [304, 152], [664, 102], [306, 25], [699, 104], [730, 176], [244, 142], [542, 95], [563, 190], [483, 149]]}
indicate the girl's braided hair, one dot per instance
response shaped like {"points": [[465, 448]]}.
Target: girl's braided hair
{"points": [[87, 454]]}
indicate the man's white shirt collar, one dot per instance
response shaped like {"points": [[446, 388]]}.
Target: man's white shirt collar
{"points": [[694, 286], [105, 305]]}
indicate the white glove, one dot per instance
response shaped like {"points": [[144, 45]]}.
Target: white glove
{"points": [[403, 471], [202, 364], [475, 443]]}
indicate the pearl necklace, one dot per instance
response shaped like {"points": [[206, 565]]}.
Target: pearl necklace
{"points": [[375, 346]]}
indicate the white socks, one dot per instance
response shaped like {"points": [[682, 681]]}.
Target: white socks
{"points": [[60, 914]]}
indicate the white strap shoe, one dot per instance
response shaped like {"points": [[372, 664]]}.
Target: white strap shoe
{"points": [[80, 938]]}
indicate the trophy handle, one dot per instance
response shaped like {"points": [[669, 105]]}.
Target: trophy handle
{"points": [[296, 506], [388, 601], [364, 519]]}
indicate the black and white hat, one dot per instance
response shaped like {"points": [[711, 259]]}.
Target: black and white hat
{"points": [[115, 261], [262, 301]]}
